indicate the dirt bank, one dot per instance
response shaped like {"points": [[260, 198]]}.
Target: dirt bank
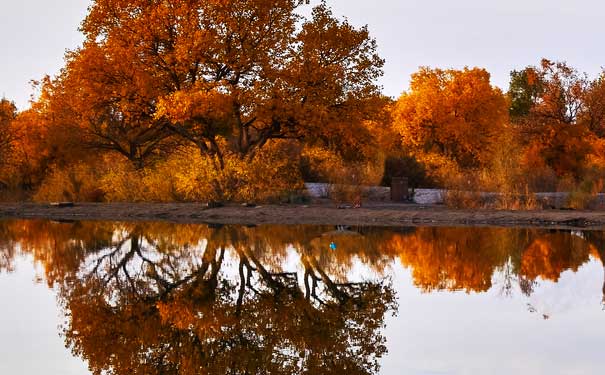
{"points": [[369, 215]]}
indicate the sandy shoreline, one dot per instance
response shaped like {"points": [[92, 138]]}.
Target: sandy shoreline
{"points": [[320, 214]]}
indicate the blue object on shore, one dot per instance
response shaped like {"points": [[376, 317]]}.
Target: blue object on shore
{"points": [[332, 246]]}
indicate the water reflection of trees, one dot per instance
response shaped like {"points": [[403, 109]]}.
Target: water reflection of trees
{"points": [[440, 258], [188, 299], [467, 258], [161, 298]]}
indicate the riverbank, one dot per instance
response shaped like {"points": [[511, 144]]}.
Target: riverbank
{"points": [[323, 213]]}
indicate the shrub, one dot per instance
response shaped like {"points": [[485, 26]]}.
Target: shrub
{"points": [[185, 176], [346, 179], [273, 171], [77, 183], [123, 183], [585, 195]]}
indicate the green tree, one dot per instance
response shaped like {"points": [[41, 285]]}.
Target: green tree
{"points": [[524, 91]]}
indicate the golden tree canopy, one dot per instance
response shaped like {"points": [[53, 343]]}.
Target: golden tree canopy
{"points": [[209, 71], [454, 113]]}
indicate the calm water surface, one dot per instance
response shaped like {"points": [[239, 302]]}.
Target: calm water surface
{"points": [[157, 298]]}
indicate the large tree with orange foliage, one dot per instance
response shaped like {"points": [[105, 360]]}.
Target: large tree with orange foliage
{"points": [[454, 113], [553, 107], [8, 113], [42, 137], [227, 76], [593, 115]]}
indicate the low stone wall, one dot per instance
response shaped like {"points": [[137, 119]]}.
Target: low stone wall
{"points": [[436, 196], [375, 193], [428, 196], [378, 193]]}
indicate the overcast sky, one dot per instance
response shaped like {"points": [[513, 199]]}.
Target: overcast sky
{"points": [[499, 35]]}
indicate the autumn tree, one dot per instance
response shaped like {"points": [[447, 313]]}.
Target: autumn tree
{"points": [[31, 156], [44, 136], [227, 76], [548, 103], [8, 113], [524, 91], [452, 113], [551, 91], [593, 114]]}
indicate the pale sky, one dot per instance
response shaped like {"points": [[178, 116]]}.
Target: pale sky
{"points": [[499, 35]]}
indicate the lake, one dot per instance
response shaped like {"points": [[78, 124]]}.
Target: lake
{"points": [[161, 298]]}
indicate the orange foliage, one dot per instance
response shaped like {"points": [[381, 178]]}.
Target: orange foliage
{"points": [[452, 113], [201, 100], [8, 113], [560, 117], [227, 76]]}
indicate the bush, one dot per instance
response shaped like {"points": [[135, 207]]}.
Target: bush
{"points": [[585, 195], [76, 183], [272, 173], [346, 179], [123, 183]]}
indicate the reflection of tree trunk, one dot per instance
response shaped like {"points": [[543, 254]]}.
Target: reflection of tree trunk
{"points": [[307, 287], [242, 289], [330, 285], [312, 269], [213, 265], [134, 246], [310, 291], [266, 275], [209, 284], [216, 267]]}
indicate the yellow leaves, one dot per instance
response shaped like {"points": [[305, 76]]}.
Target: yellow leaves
{"points": [[271, 173], [185, 176]]}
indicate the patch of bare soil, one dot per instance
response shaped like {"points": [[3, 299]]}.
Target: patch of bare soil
{"points": [[372, 214]]}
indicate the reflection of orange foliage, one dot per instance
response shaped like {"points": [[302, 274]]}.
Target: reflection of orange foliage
{"points": [[451, 258], [440, 258], [551, 255], [59, 247]]}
